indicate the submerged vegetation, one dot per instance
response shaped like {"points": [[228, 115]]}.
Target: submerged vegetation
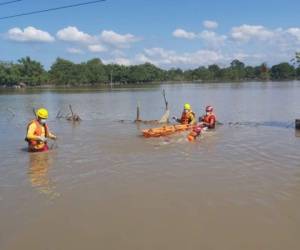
{"points": [[93, 72]]}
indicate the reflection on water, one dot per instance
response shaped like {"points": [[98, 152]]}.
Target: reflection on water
{"points": [[38, 173]]}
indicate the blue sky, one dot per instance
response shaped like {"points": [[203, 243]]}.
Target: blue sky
{"points": [[184, 34]]}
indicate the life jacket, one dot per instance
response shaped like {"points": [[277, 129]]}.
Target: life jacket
{"points": [[187, 117], [33, 144], [208, 119]]}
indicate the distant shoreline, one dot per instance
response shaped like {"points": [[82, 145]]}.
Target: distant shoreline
{"points": [[133, 85], [93, 73]]}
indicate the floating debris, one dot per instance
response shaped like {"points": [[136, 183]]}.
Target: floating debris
{"points": [[73, 117]]}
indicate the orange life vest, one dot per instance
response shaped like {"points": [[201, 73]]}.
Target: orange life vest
{"points": [[208, 119], [33, 144], [187, 117]]}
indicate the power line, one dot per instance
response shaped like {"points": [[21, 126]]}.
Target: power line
{"points": [[9, 2], [51, 9]]}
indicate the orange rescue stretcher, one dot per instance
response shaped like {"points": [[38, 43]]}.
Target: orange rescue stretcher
{"points": [[166, 130]]}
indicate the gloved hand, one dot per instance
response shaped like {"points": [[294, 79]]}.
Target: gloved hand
{"points": [[42, 138]]}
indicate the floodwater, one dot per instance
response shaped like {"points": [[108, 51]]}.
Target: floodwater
{"points": [[103, 186]]}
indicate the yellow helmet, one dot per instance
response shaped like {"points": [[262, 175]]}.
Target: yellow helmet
{"points": [[42, 113], [187, 106]]}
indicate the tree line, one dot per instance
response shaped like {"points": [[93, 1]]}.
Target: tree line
{"points": [[93, 72]]}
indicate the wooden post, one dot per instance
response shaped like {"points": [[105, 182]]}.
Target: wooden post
{"points": [[70, 107], [58, 114], [111, 79], [166, 115], [138, 112], [165, 99], [34, 111]]}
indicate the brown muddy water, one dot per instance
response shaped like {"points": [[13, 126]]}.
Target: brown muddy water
{"points": [[103, 186]]}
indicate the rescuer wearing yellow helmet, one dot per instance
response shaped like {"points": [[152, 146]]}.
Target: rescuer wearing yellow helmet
{"points": [[38, 132], [188, 116]]}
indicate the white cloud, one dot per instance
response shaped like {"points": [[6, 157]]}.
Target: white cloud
{"points": [[212, 39], [246, 32], [251, 44], [142, 58], [120, 60], [117, 40], [74, 51], [294, 32], [97, 48], [170, 58], [210, 24], [72, 34], [108, 39], [158, 52], [123, 61], [117, 53], [29, 34], [181, 33], [267, 45], [242, 56]]}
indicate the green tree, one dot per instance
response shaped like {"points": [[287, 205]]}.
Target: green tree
{"points": [[236, 64], [297, 58], [203, 74], [262, 72], [282, 71], [249, 73], [117, 73], [298, 72], [9, 74], [214, 72], [296, 61], [63, 72], [175, 74], [31, 72], [95, 71], [145, 73], [237, 70]]}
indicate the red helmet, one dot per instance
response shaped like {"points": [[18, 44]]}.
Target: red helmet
{"points": [[197, 129], [209, 109]]}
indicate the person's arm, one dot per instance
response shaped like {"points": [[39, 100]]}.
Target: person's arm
{"points": [[212, 122], [192, 119], [206, 124], [51, 135], [177, 119]]}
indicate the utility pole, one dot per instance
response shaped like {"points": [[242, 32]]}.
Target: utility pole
{"points": [[111, 79]]}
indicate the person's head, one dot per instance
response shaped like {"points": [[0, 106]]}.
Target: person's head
{"points": [[187, 107], [42, 115], [209, 109]]}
